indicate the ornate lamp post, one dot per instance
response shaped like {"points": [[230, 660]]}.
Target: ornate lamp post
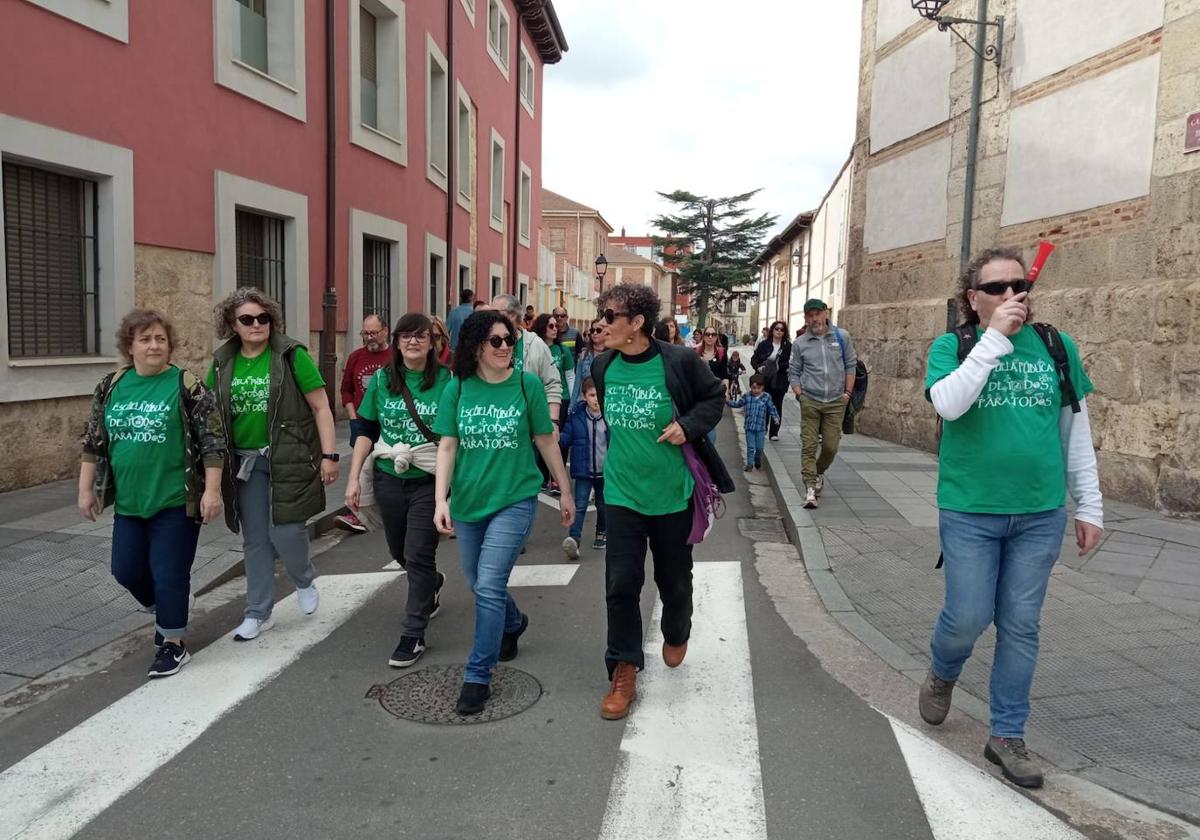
{"points": [[601, 270]]}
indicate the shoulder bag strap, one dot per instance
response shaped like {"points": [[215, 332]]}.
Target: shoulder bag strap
{"points": [[412, 410]]}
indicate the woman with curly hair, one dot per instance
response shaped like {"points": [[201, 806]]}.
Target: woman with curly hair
{"points": [[277, 420], [153, 448], [400, 452], [655, 397], [491, 417], [668, 330]]}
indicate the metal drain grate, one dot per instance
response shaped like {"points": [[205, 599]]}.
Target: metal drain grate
{"points": [[429, 695]]}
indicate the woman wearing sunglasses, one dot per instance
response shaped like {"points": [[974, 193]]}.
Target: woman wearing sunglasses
{"points": [[655, 397], [593, 346], [771, 358], [395, 415], [490, 419], [713, 354], [277, 421]]}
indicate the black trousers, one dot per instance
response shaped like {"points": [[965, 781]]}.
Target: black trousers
{"points": [[629, 533], [772, 423], [406, 505]]}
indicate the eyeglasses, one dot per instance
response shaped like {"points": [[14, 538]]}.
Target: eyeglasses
{"points": [[497, 340], [263, 318], [611, 315], [412, 337], [777, 329], [997, 287], [596, 330], [370, 333], [710, 335]]}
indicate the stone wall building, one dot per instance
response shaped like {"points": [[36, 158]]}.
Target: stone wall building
{"points": [[1081, 143]]}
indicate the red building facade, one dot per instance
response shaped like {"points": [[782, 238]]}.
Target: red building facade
{"points": [[346, 156]]}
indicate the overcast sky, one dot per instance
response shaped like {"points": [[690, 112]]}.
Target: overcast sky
{"points": [[708, 96]]}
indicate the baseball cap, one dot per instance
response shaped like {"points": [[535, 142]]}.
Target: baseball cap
{"points": [[814, 303]]}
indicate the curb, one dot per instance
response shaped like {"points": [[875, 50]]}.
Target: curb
{"points": [[802, 530]]}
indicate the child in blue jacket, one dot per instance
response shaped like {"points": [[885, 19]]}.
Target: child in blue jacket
{"points": [[587, 434], [758, 408]]}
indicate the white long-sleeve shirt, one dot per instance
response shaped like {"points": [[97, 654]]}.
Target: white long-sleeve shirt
{"points": [[953, 395]]}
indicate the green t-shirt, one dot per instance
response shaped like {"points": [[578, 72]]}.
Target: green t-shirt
{"points": [[146, 445], [391, 413], [495, 466], [519, 353], [562, 361], [1005, 454], [639, 472], [249, 390]]}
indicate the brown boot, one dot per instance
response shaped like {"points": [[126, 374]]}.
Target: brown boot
{"points": [[623, 692], [673, 654]]}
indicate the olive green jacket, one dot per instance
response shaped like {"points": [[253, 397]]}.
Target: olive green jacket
{"points": [[295, 447], [203, 437]]}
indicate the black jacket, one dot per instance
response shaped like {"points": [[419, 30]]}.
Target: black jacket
{"points": [[762, 352], [698, 396]]}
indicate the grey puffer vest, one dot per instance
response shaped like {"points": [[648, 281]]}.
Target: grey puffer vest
{"points": [[295, 454]]}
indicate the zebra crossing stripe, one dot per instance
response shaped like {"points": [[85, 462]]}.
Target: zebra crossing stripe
{"points": [[55, 791]]}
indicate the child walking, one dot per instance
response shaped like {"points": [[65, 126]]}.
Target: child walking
{"points": [[586, 433], [758, 407]]}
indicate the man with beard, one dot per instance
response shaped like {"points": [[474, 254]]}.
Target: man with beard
{"points": [[361, 365]]}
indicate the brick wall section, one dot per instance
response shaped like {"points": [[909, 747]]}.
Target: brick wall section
{"points": [[1124, 282]]}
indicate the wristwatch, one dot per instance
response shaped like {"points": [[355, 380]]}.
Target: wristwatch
{"points": [[331, 456]]}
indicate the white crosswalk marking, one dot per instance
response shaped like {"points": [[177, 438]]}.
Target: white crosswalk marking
{"points": [[545, 574], [962, 802], [693, 730], [58, 789]]}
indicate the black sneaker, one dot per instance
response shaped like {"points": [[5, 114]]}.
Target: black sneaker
{"points": [[437, 595], [1014, 761], [758, 460], [508, 642], [601, 541], [472, 698], [407, 652], [169, 659]]}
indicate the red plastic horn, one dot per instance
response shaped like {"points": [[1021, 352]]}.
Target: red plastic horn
{"points": [[1044, 250]]}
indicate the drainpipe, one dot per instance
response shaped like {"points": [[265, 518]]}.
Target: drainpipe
{"points": [[328, 349], [973, 135], [451, 159], [516, 227]]}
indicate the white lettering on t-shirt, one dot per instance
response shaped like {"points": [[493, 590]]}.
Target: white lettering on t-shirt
{"points": [[138, 421], [488, 427], [632, 407], [1020, 384]]}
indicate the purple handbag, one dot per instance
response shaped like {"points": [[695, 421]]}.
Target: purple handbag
{"points": [[707, 504]]}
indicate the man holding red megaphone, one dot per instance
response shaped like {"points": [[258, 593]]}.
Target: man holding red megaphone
{"points": [[1011, 396]]}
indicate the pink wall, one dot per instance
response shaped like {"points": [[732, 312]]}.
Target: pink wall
{"points": [[156, 96]]}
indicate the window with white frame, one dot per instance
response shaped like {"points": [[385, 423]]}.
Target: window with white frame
{"points": [[66, 258], [496, 275], [469, 8], [378, 95], [435, 276], [464, 149], [262, 240], [437, 103], [259, 46], [378, 266], [525, 204], [525, 77], [496, 198], [466, 273], [498, 29], [110, 18]]}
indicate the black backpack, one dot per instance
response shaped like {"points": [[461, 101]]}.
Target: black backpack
{"points": [[1049, 336]]}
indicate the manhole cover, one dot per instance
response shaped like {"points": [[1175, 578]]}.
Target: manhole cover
{"points": [[429, 695]]}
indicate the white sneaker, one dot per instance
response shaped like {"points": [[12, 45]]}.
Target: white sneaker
{"points": [[251, 627], [308, 599], [820, 485], [810, 500], [571, 548]]}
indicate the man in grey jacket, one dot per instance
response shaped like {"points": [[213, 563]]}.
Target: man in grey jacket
{"points": [[532, 354], [821, 373]]}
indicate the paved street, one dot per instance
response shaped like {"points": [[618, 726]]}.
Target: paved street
{"points": [[289, 736], [1116, 697]]}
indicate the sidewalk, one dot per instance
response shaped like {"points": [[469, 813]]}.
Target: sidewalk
{"points": [[1116, 698], [58, 599]]}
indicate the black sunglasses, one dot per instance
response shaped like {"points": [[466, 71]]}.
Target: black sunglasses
{"points": [[497, 340], [247, 320], [710, 335], [997, 287], [596, 330], [611, 315]]}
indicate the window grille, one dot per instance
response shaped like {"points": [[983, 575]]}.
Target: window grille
{"points": [[377, 279], [259, 254]]}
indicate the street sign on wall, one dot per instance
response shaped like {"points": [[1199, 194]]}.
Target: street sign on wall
{"points": [[1191, 134]]}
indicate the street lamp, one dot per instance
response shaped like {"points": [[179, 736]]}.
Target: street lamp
{"points": [[931, 10], [601, 270], [796, 258]]}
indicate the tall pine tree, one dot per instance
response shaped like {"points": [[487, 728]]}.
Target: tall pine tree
{"points": [[712, 242]]}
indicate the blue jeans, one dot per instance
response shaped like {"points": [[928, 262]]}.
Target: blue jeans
{"points": [[997, 569], [755, 441], [152, 558], [583, 490], [488, 551]]}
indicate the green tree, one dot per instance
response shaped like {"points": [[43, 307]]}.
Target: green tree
{"points": [[711, 242]]}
